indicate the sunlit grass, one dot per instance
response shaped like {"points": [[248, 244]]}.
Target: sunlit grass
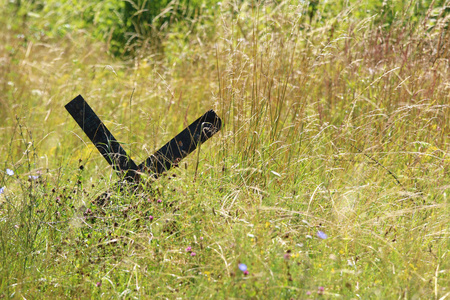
{"points": [[330, 177]]}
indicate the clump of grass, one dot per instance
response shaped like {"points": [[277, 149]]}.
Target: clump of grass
{"points": [[323, 118]]}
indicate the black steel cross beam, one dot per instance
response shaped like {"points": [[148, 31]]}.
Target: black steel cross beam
{"points": [[171, 153]]}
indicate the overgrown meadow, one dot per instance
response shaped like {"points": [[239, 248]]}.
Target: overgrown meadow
{"points": [[329, 179]]}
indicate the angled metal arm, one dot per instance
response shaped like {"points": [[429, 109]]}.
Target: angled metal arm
{"points": [[182, 144], [100, 136]]}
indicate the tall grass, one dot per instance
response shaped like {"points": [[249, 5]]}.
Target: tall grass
{"points": [[332, 123]]}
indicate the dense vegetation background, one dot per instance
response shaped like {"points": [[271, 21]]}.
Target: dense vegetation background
{"points": [[329, 179]]}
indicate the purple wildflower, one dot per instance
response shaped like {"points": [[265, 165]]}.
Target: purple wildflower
{"points": [[188, 249], [99, 284], [321, 235], [150, 218], [193, 254], [246, 272], [34, 177], [308, 293], [2, 190], [320, 290], [9, 172], [242, 267], [287, 256], [159, 201]]}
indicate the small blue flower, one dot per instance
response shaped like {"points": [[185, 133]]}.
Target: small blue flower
{"points": [[34, 177], [321, 235], [242, 267], [2, 189], [9, 172]]}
